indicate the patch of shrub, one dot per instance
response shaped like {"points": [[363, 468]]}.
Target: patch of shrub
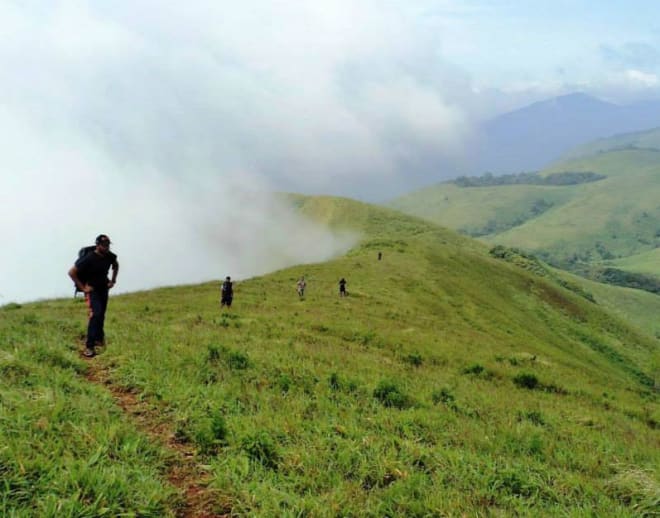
{"points": [[261, 448], [390, 395], [207, 375], [334, 382], [630, 279], [30, 319], [210, 433], [284, 382], [320, 328], [414, 359], [214, 353], [182, 432], [532, 416], [555, 389], [10, 306], [475, 369], [536, 446], [526, 380], [238, 360], [444, 396], [366, 338], [511, 482]]}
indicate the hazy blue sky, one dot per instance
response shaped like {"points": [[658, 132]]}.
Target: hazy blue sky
{"points": [[605, 47], [147, 120]]}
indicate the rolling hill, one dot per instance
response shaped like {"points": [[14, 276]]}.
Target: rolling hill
{"points": [[450, 381], [600, 219]]}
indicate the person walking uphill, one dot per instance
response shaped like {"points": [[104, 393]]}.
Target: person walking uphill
{"points": [[300, 287], [342, 287], [226, 293], [90, 275]]}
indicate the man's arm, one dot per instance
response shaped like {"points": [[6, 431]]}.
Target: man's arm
{"points": [[115, 271], [73, 273]]}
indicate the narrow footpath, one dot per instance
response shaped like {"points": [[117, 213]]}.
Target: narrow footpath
{"points": [[184, 471]]}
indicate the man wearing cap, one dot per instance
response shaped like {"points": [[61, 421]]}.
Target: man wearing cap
{"points": [[90, 274], [226, 293]]}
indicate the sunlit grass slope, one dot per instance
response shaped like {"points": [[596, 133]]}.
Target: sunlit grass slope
{"points": [[618, 216], [638, 307], [646, 262], [612, 218], [448, 382], [649, 139]]}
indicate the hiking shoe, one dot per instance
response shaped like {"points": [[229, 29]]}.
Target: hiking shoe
{"points": [[89, 353]]}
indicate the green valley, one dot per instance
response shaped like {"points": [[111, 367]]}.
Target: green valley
{"points": [[611, 220]]}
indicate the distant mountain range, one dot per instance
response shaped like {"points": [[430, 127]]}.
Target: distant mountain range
{"points": [[534, 136]]}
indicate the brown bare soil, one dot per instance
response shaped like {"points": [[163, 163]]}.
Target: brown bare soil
{"points": [[184, 471]]}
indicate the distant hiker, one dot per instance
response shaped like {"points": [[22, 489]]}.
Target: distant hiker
{"points": [[380, 255], [90, 275], [300, 287], [226, 293], [342, 288]]}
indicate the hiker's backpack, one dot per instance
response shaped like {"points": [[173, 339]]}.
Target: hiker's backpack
{"points": [[82, 253], [227, 288]]}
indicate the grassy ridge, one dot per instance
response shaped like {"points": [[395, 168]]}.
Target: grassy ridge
{"points": [[613, 218], [637, 307], [646, 262], [570, 225], [448, 382], [649, 140]]}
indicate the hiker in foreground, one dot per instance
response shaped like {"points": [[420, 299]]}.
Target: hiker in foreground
{"points": [[300, 287], [226, 293], [342, 288], [90, 275]]}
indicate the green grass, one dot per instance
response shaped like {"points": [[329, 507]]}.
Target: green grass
{"points": [[646, 263], [614, 221], [637, 307], [649, 139], [448, 382]]}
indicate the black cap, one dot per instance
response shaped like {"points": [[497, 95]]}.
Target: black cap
{"points": [[102, 239]]}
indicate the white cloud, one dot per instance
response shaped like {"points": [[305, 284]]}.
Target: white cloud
{"points": [[642, 79], [149, 122]]}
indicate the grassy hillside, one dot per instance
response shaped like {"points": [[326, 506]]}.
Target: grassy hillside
{"points": [[568, 225], [448, 382], [612, 218], [637, 307], [645, 263], [481, 211], [637, 140]]}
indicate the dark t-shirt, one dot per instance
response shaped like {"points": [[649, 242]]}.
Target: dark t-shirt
{"points": [[227, 289], [93, 269]]}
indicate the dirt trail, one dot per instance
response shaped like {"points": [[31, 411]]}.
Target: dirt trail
{"points": [[184, 471]]}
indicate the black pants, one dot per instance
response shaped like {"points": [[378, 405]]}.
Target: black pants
{"points": [[97, 302]]}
